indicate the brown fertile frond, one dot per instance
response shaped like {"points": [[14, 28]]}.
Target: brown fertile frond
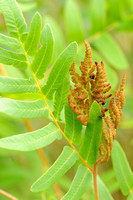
{"points": [[113, 120], [92, 85]]}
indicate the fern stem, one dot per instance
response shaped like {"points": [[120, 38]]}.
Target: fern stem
{"points": [[50, 112], [9, 196], [57, 190], [95, 182]]}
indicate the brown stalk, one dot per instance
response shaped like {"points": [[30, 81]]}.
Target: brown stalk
{"points": [[6, 194]]}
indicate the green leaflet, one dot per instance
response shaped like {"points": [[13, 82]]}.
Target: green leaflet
{"points": [[64, 162], [31, 43], [130, 197], [32, 140], [114, 11], [73, 22], [45, 53], [60, 70], [125, 7], [118, 9], [111, 51], [103, 191], [98, 16], [109, 179], [11, 58], [92, 137], [73, 128], [23, 109], [10, 42], [79, 184], [59, 42], [60, 98], [122, 169], [126, 25], [17, 85], [13, 17]]}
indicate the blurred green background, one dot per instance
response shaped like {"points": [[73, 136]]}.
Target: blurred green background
{"points": [[108, 26]]}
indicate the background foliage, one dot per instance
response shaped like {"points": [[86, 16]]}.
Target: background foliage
{"points": [[108, 26]]}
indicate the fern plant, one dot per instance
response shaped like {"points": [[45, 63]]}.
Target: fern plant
{"points": [[89, 128]]}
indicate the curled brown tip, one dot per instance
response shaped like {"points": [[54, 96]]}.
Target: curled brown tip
{"points": [[92, 76], [96, 62], [102, 115]]}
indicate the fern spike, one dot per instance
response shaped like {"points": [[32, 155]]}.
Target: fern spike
{"points": [[92, 85]]}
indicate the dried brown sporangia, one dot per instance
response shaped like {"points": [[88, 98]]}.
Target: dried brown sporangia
{"points": [[92, 85]]}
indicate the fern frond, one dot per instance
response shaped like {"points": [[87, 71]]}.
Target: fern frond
{"points": [[13, 17], [79, 184], [64, 162], [32, 140], [59, 70], [17, 85], [60, 98], [92, 137], [44, 54], [73, 128], [12, 58], [10, 42], [23, 109], [31, 43]]}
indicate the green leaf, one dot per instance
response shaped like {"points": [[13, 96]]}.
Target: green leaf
{"points": [[92, 137], [73, 128], [59, 42], [109, 179], [17, 85], [130, 197], [60, 70], [98, 16], [126, 25], [79, 184], [31, 43], [13, 17], [60, 98], [103, 191], [32, 140], [64, 162], [45, 53], [12, 58], [122, 169], [23, 109], [107, 46], [114, 11], [28, 5], [73, 22], [10, 42]]}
